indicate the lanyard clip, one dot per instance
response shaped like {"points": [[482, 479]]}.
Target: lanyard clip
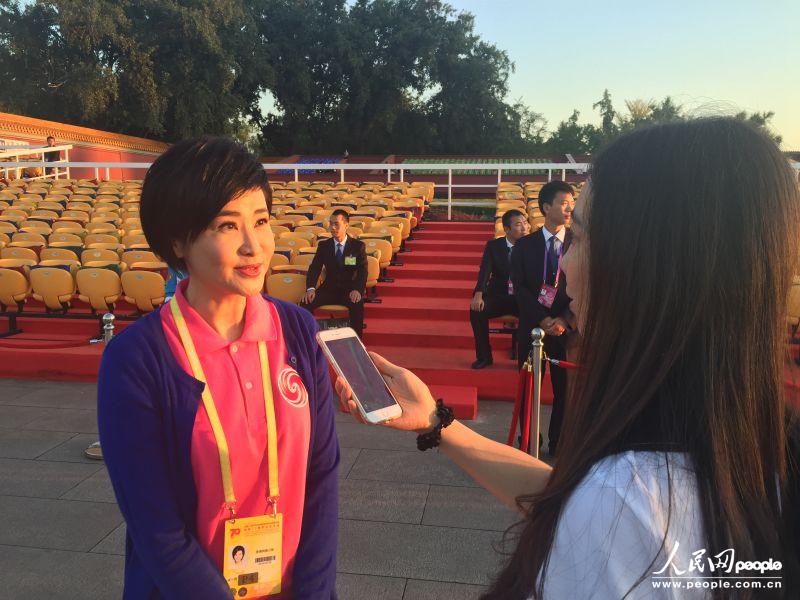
{"points": [[231, 506], [272, 501]]}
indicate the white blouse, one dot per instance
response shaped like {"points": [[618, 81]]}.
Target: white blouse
{"points": [[611, 530]]}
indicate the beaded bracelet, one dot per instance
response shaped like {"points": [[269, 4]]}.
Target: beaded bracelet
{"points": [[434, 437]]}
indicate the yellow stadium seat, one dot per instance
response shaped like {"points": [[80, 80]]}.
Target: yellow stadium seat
{"points": [[303, 259], [306, 237], [277, 230], [388, 232], [103, 228], [14, 285], [68, 238], [20, 253], [116, 247], [289, 287], [57, 254], [98, 254], [98, 287], [73, 265], [290, 268], [70, 226], [100, 238], [313, 229], [6, 227], [138, 256], [145, 289], [78, 216], [373, 274], [404, 223], [130, 240], [29, 237], [384, 249], [278, 259], [53, 286], [45, 214], [292, 245]]}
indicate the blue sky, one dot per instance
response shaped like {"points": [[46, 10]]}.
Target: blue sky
{"points": [[709, 55]]}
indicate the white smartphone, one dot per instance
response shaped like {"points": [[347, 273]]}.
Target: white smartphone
{"points": [[350, 360]]}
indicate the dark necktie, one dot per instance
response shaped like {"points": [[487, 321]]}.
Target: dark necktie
{"points": [[339, 254], [552, 261]]}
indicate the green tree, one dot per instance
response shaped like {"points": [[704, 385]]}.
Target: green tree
{"points": [[607, 114], [762, 121], [166, 69]]}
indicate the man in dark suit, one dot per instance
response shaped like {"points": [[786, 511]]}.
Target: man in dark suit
{"points": [[345, 262], [494, 294], [540, 288]]}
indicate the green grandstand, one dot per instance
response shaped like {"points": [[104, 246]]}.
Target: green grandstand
{"points": [[473, 160]]}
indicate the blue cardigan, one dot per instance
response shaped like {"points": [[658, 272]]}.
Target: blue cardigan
{"points": [[146, 410]]}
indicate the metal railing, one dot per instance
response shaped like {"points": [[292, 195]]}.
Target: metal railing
{"points": [[16, 152], [399, 170]]}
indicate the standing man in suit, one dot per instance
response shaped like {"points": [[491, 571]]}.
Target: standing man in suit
{"points": [[494, 293], [540, 288], [345, 262]]}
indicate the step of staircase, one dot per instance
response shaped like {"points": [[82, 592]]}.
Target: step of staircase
{"points": [[449, 226], [413, 307], [441, 258], [428, 333], [449, 244], [427, 288], [440, 272], [460, 236]]}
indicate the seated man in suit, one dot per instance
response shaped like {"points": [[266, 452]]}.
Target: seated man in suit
{"points": [[345, 262], [540, 288], [494, 294]]}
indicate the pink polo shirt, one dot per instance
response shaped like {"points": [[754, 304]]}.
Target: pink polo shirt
{"points": [[234, 378]]}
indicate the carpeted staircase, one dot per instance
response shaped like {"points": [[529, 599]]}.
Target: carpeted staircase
{"points": [[423, 321]]}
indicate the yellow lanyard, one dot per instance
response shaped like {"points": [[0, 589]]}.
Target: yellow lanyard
{"points": [[216, 424]]}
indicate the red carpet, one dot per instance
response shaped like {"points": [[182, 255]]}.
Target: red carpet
{"points": [[423, 322]]}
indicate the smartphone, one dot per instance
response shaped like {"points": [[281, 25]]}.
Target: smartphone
{"points": [[352, 363]]}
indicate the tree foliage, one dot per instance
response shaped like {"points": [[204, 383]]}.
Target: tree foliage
{"points": [[366, 76]]}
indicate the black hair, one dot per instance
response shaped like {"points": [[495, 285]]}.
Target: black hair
{"points": [[237, 549], [548, 192], [51, 137], [189, 184], [344, 214], [510, 214]]}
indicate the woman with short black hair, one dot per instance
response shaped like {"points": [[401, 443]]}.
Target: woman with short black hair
{"points": [[215, 412], [676, 456]]}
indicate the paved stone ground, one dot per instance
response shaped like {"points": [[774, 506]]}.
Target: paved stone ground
{"points": [[412, 526]]}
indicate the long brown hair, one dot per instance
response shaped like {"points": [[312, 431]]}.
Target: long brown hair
{"points": [[693, 235]]}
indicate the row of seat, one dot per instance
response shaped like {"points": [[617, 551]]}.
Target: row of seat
{"points": [[59, 286]]}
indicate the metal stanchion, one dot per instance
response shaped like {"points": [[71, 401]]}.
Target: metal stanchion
{"points": [[108, 327], [536, 361], [94, 450]]}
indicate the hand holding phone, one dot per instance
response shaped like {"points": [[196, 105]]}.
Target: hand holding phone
{"points": [[414, 397], [368, 389]]}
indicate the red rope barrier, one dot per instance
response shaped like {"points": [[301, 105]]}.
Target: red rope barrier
{"points": [[50, 346]]}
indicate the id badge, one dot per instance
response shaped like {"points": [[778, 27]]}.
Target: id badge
{"points": [[510, 287], [547, 295], [350, 261], [252, 562]]}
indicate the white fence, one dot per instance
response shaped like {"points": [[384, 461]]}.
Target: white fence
{"points": [[398, 170], [59, 168]]}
